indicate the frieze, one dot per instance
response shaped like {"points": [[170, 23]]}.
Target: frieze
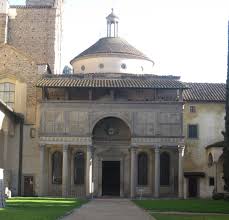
{"points": [[66, 140], [167, 141]]}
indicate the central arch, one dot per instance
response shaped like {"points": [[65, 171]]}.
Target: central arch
{"points": [[111, 136], [111, 129]]}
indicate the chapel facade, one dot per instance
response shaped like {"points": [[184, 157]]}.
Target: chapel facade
{"points": [[112, 128]]}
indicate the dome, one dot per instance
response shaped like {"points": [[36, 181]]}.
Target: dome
{"points": [[112, 54], [112, 46]]}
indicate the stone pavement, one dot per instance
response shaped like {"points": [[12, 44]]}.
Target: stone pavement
{"points": [[109, 209]]}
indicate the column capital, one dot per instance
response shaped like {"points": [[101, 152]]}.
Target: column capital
{"points": [[65, 147], [133, 148], [181, 148], [42, 146], [157, 148], [90, 148]]}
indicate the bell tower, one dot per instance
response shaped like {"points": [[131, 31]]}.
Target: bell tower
{"points": [[112, 24], [4, 7]]}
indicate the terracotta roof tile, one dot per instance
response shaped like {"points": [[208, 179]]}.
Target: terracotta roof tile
{"points": [[112, 45], [118, 82], [205, 92]]}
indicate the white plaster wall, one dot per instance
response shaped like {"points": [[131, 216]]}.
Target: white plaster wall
{"points": [[210, 120], [112, 65]]}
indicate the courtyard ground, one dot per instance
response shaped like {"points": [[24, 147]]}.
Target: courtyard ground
{"points": [[109, 209], [191, 209], [38, 208]]}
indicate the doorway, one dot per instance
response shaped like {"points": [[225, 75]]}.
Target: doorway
{"points": [[192, 187], [111, 178], [28, 186]]}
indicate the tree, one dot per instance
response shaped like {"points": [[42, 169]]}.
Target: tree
{"points": [[226, 133], [67, 70]]}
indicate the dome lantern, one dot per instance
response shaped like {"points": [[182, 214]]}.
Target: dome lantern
{"points": [[112, 24]]}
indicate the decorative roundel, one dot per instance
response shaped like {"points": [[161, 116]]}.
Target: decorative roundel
{"points": [[82, 67], [123, 66], [101, 65]]}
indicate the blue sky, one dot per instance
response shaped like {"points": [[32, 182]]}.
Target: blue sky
{"points": [[183, 37]]}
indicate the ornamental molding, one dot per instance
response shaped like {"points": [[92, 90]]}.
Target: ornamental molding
{"points": [[162, 141], [66, 140]]}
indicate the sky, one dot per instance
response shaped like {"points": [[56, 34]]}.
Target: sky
{"points": [[187, 38]]}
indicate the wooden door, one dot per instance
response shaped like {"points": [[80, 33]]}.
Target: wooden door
{"points": [[28, 186], [192, 187]]}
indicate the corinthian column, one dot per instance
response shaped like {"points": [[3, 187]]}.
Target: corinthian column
{"points": [[157, 172], [180, 172], [133, 172], [42, 170], [65, 171], [89, 171]]}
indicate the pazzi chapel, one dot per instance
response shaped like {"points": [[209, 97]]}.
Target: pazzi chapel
{"points": [[112, 128]]}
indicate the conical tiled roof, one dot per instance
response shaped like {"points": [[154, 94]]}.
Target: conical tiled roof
{"points": [[112, 46]]}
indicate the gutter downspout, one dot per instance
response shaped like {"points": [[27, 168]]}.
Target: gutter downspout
{"points": [[21, 121]]}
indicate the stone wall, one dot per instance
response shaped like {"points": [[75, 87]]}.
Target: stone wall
{"points": [[79, 118], [37, 32]]}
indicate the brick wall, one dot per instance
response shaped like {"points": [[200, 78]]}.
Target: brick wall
{"points": [[3, 32], [36, 32], [15, 65]]}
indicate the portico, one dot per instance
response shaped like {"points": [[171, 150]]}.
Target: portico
{"points": [[127, 159]]}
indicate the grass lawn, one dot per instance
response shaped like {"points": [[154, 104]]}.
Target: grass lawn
{"points": [[188, 217], [189, 205], [37, 208]]}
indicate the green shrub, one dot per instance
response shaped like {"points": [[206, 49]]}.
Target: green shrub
{"points": [[218, 196]]}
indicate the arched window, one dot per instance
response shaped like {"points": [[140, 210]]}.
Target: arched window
{"points": [[57, 161], [79, 168], [142, 169], [210, 160], [164, 169]]}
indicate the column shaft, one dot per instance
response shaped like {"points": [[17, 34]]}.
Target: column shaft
{"points": [[133, 173], [89, 171], [42, 170], [180, 172], [65, 192], [157, 172]]}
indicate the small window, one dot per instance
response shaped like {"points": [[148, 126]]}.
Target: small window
{"points": [[123, 66], [211, 181], [192, 109], [82, 67], [101, 65], [192, 131]]}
